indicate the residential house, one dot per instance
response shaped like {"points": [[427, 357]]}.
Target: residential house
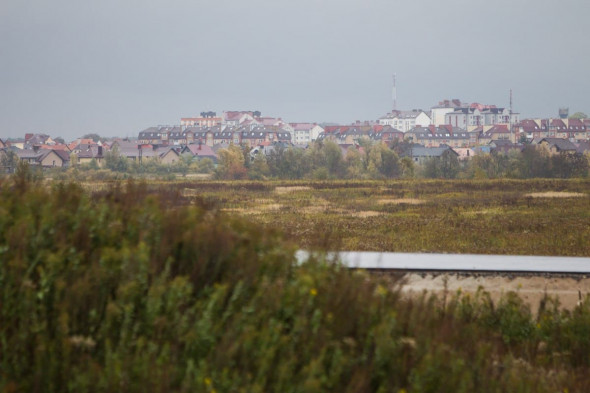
{"points": [[504, 146], [200, 151], [464, 153], [575, 130], [260, 135], [198, 134], [558, 145], [176, 136], [27, 155], [90, 152], [346, 135], [207, 119], [386, 134], [235, 118], [168, 155], [130, 150], [420, 154], [37, 140], [151, 135], [226, 135], [53, 158], [494, 133], [45, 158], [529, 129], [18, 143]]}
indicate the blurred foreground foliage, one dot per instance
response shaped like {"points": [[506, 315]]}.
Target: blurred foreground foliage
{"points": [[132, 291]]}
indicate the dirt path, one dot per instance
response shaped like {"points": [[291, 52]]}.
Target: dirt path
{"points": [[531, 289]]}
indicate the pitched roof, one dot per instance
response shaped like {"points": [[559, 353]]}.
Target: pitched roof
{"points": [[420, 151], [560, 144], [497, 129], [200, 150]]}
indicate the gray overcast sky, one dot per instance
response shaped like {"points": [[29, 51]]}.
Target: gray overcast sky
{"points": [[115, 67]]}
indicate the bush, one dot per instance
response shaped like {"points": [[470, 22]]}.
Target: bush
{"points": [[115, 291]]}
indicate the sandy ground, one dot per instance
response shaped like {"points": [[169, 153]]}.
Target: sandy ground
{"points": [[531, 289]]}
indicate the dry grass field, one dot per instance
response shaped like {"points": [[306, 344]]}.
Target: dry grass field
{"points": [[520, 217]]}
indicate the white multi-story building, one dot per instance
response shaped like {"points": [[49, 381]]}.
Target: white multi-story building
{"points": [[304, 133], [477, 115], [438, 112], [405, 120]]}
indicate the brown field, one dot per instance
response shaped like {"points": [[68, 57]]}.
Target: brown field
{"points": [[519, 217]]}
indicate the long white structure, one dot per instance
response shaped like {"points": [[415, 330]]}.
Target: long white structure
{"points": [[460, 262]]}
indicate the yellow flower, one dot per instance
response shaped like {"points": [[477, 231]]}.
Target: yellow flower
{"points": [[313, 292], [208, 381]]}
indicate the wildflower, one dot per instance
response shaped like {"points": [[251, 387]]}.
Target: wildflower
{"points": [[208, 381], [313, 292]]}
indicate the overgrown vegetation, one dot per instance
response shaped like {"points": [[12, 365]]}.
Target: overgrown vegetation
{"points": [[525, 217], [132, 288]]}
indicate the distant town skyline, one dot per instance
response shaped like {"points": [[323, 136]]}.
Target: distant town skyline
{"points": [[114, 68]]}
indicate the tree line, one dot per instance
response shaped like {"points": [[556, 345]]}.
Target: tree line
{"points": [[326, 160]]}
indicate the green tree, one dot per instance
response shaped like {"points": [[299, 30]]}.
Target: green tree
{"points": [[204, 165], [93, 136], [579, 115], [569, 165], [446, 166], [354, 164], [231, 163], [8, 160], [535, 162], [449, 164], [334, 160], [114, 161], [407, 167], [259, 169]]}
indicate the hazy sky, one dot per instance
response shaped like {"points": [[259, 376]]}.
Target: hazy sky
{"points": [[115, 67]]}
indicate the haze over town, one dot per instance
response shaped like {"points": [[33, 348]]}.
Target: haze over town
{"points": [[114, 68]]}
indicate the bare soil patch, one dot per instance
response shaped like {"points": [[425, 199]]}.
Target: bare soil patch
{"points": [[398, 201], [365, 214], [286, 190], [530, 289], [556, 194]]}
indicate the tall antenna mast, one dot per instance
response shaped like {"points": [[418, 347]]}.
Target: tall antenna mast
{"points": [[394, 94], [510, 119]]}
